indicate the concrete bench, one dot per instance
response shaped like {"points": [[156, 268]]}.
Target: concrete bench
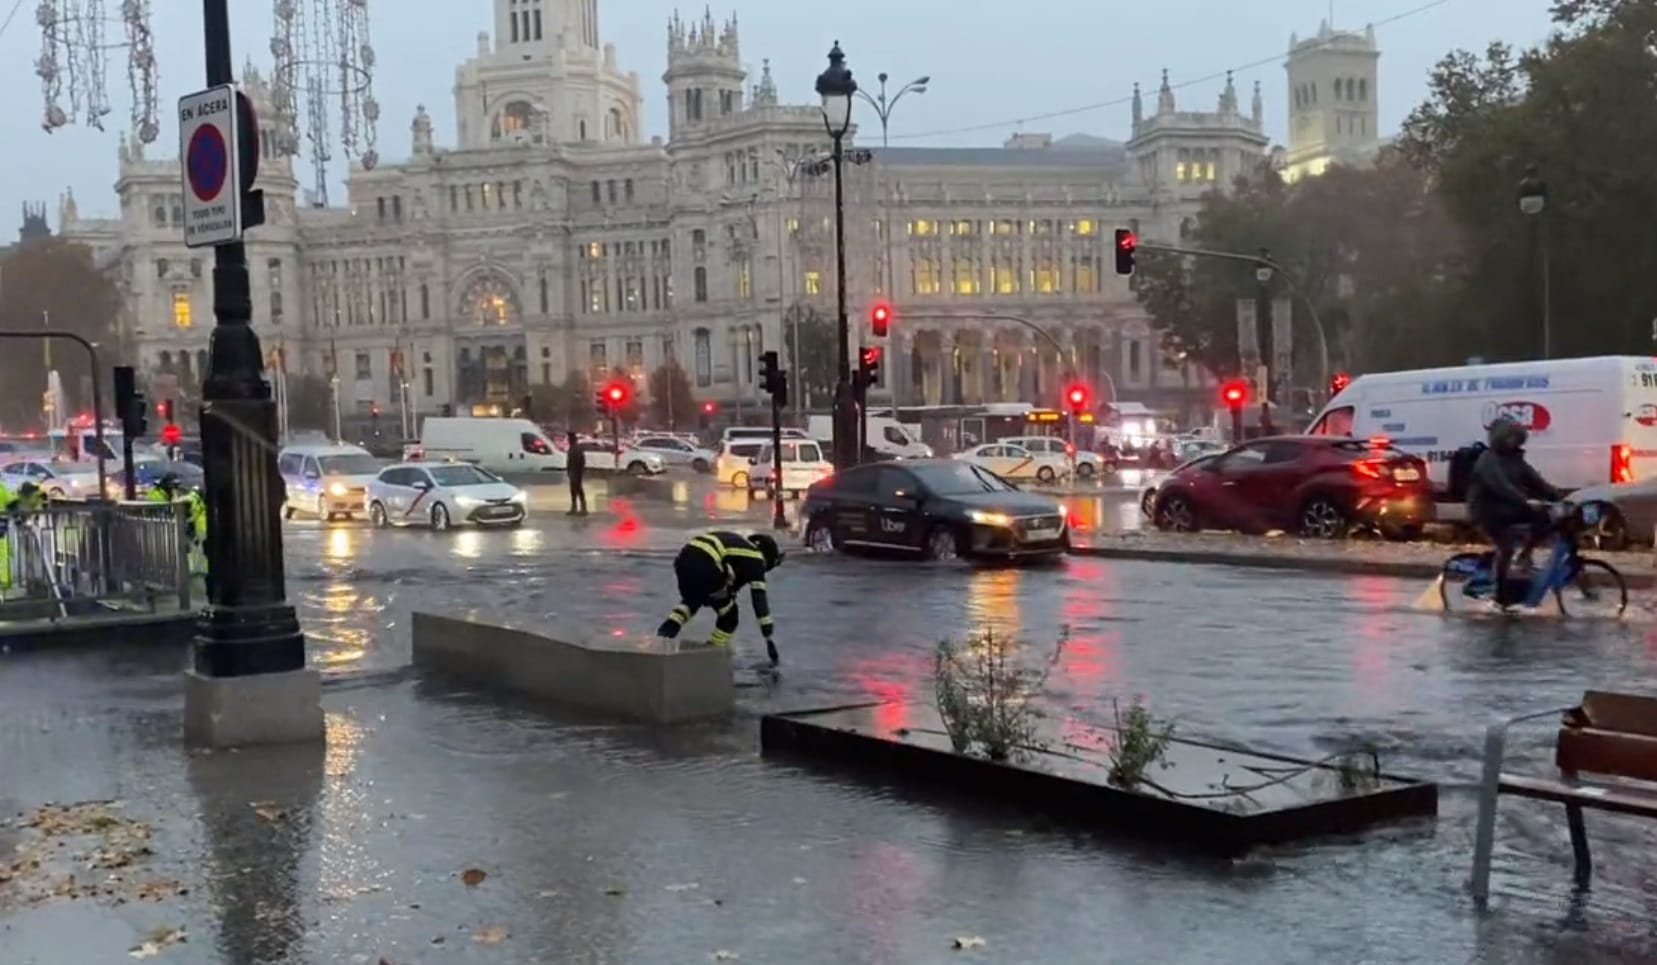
{"points": [[1603, 742], [631, 678]]}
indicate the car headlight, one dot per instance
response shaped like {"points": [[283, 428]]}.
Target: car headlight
{"points": [[989, 519], [468, 501], [337, 489], [520, 497]]}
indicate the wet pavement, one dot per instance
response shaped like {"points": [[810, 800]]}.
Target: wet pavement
{"points": [[632, 845]]}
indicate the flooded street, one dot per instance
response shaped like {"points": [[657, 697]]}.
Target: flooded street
{"points": [[634, 845]]}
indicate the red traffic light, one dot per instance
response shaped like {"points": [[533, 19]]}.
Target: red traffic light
{"points": [[880, 319], [171, 435], [1126, 240], [1339, 381], [1234, 393], [871, 356], [708, 408], [1076, 395], [616, 393]]}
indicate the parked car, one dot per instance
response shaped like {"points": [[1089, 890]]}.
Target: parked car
{"points": [[675, 451], [735, 461], [147, 472], [1628, 513], [327, 481], [1318, 486], [442, 495], [803, 463], [604, 456], [1088, 464], [936, 509], [1016, 462]]}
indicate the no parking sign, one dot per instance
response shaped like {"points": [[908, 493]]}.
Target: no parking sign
{"points": [[209, 132]]}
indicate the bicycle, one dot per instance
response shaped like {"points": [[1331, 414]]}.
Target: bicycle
{"points": [[1594, 587]]}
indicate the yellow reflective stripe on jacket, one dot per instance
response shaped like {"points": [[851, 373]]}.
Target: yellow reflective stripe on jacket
{"points": [[744, 553], [710, 546]]}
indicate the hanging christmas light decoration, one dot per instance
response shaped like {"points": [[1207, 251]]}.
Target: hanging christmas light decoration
{"points": [[73, 65], [322, 57]]}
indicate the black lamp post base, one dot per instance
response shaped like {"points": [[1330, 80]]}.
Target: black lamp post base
{"points": [[243, 641]]}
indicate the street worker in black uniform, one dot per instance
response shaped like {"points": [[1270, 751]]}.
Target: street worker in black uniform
{"points": [[712, 569], [575, 467]]}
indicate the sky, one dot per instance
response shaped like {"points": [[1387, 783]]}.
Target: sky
{"points": [[988, 72]]}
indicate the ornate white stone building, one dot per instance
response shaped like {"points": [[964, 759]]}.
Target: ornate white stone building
{"points": [[1334, 117], [552, 237]]}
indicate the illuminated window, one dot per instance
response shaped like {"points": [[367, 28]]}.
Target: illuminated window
{"points": [[1087, 280], [793, 226], [181, 310], [1005, 227], [592, 249], [1005, 277], [960, 228], [927, 277], [967, 281], [1044, 278], [745, 280], [1084, 227], [1182, 172], [813, 283], [923, 227]]}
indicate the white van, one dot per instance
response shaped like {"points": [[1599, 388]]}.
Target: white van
{"points": [[1591, 420], [887, 436], [326, 481], [803, 463], [498, 445]]}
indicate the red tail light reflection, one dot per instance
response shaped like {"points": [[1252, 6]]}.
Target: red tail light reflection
{"points": [[1622, 464]]}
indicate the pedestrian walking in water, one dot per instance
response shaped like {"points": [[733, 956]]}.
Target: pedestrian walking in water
{"points": [[576, 467]]}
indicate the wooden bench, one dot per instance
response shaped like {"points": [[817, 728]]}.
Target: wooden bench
{"points": [[1603, 743]]}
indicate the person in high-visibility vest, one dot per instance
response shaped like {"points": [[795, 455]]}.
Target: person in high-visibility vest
{"points": [[166, 490], [8, 508]]}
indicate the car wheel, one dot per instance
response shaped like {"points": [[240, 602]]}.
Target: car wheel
{"points": [[819, 538], [700, 465], [1610, 534], [1046, 474], [1084, 470], [440, 517], [637, 468], [377, 517], [1147, 503], [941, 545], [1176, 514], [739, 480], [1323, 518]]}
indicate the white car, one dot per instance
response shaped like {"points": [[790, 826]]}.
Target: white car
{"points": [[675, 451], [326, 481], [442, 495], [1088, 464], [1016, 462], [603, 456], [803, 463], [736, 461], [59, 480]]}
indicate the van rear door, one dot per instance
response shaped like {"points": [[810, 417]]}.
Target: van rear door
{"points": [[1638, 432]]}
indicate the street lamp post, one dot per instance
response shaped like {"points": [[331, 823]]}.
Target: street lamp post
{"points": [[1533, 203], [1264, 336], [249, 635], [836, 87], [884, 106]]}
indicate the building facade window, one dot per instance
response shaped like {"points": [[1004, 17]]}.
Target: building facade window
{"points": [[181, 310], [700, 284], [703, 347]]}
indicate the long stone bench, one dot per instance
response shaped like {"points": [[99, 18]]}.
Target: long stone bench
{"points": [[636, 679]]}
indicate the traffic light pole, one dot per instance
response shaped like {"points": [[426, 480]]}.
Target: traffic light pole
{"points": [[97, 392], [1236, 425], [779, 518], [1278, 271]]}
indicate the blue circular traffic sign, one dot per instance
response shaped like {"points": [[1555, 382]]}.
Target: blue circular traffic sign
{"points": [[207, 162]]}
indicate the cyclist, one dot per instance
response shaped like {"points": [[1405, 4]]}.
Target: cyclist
{"points": [[1505, 493]]}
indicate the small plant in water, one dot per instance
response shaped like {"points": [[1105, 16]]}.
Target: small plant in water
{"points": [[1358, 771], [1141, 743], [984, 693]]}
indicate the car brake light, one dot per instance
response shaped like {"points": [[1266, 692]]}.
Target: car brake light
{"points": [[1380, 442], [1622, 464], [1372, 468]]}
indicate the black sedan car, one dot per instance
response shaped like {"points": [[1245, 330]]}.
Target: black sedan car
{"points": [[938, 509]]}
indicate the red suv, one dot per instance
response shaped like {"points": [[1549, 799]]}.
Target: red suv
{"points": [[1316, 486]]}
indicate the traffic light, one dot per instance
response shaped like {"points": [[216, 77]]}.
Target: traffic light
{"points": [[1076, 396], [165, 408], [769, 369], [171, 435], [601, 401], [1127, 247], [868, 366], [1337, 382], [880, 319], [1234, 394], [708, 409], [615, 394]]}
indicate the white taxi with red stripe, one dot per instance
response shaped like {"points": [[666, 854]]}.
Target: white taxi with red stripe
{"points": [[1016, 462], [443, 495]]}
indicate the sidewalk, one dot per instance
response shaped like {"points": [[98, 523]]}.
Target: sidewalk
{"points": [[1360, 557]]}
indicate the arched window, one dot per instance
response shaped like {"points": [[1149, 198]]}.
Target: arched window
{"points": [[166, 363], [490, 301], [704, 358], [1363, 89], [581, 130], [700, 284], [618, 126], [516, 117]]}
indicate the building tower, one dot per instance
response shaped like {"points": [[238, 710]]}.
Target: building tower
{"points": [[1177, 153], [1332, 96], [704, 75]]}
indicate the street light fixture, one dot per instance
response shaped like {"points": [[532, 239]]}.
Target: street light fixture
{"points": [[884, 105], [1533, 201], [836, 87]]}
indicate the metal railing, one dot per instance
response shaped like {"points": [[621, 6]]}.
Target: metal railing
{"points": [[69, 558]]}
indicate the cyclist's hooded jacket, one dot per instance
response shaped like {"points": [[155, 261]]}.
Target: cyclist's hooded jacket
{"points": [[1503, 482]]}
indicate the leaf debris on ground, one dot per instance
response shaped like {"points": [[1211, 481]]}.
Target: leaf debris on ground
{"points": [[472, 877], [158, 941], [969, 942], [490, 935], [268, 812], [90, 850]]}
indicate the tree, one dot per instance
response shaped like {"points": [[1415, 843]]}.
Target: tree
{"points": [[672, 403], [569, 403], [53, 285], [310, 403], [816, 365]]}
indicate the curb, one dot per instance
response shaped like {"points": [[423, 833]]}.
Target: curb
{"points": [[1404, 569]]}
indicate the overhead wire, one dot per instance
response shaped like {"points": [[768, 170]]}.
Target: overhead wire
{"points": [[1121, 101]]}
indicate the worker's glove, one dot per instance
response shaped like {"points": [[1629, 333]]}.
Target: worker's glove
{"points": [[771, 651], [668, 630]]}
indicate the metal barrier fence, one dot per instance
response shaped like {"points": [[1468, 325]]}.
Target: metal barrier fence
{"points": [[134, 555]]}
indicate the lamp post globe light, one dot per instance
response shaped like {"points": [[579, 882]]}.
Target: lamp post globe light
{"points": [[1533, 192], [836, 88]]}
